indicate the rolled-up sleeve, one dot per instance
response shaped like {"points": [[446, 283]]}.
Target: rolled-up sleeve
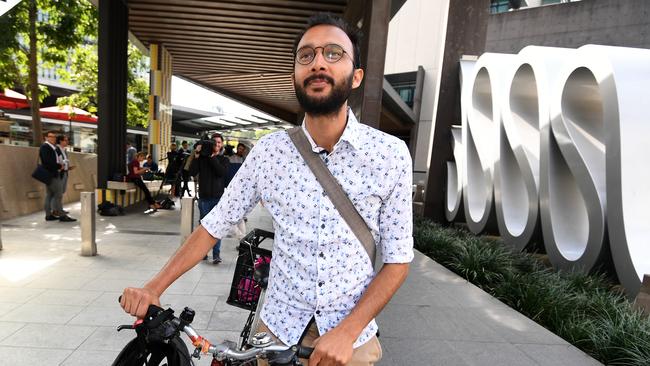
{"points": [[239, 198], [396, 214]]}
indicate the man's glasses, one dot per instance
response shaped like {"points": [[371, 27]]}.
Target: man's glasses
{"points": [[331, 53]]}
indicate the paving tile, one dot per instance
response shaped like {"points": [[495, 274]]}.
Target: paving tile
{"points": [[39, 313], [114, 285], [195, 302], [182, 288], [417, 351], [107, 339], [24, 356], [90, 358], [213, 289], [18, 295], [102, 316], [6, 307], [468, 296], [107, 299], [227, 320], [61, 282], [486, 353], [9, 328], [557, 355], [515, 327], [66, 297], [451, 324], [49, 336]]}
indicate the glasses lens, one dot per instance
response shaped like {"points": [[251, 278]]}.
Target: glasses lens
{"points": [[333, 52], [305, 55]]}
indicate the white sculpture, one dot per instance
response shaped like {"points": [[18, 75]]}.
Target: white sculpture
{"points": [[556, 138], [483, 113]]}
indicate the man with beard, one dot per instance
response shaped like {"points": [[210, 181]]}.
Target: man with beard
{"points": [[322, 291]]}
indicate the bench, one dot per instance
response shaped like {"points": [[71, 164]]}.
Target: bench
{"points": [[126, 193]]}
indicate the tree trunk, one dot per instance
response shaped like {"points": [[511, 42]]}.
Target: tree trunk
{"points": [[33, 76]]}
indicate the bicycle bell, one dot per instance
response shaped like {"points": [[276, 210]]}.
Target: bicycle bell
{"points": [[261, 339]]}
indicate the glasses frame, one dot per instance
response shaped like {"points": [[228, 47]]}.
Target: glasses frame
{"points": [[315, 49]]}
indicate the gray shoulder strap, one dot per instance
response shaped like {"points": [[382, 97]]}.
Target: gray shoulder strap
{"points": [[334, 191]]}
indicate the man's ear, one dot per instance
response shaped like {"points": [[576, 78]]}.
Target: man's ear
{"points": [[357, 77]]}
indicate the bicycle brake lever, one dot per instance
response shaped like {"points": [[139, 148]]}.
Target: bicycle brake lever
{"points": [[126, 326]]}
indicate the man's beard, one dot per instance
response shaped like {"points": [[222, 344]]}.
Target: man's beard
{"points": [[323, 106]]}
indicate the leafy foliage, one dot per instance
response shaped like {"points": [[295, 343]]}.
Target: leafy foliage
{"points": [[583, 309], [83, 74]]}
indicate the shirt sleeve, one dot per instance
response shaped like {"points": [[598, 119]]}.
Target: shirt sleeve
{"points": [[239, 198], [396, 214]]}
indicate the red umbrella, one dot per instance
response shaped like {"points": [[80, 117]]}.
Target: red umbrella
{"points": [[68, 113], [12, 100]]}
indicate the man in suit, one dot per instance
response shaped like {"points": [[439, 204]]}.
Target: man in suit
{"points": [[52, 161]]}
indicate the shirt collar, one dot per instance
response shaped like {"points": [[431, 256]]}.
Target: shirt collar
{"points": [[350, 134]]}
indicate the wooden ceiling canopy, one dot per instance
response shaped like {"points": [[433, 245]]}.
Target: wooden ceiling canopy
{"points": [[238, 48]]}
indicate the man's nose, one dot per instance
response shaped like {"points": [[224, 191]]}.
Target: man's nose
{"points": [[319, 61]]}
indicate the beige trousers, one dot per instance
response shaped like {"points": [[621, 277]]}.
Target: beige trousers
{"points": [[366, 355]]}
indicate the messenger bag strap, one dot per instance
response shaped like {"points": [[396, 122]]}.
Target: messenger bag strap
{"points": [[336, 194]]}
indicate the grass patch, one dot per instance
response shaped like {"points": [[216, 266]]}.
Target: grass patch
{"points": [[582, 309]]}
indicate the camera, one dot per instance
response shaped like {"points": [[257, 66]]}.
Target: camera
{"points": [[207, 145]]}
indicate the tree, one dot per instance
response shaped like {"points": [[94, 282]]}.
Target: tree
{"points": [[83, 74], [40, 33]]}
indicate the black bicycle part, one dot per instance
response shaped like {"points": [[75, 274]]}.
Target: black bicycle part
{"points": [[157, 340], [245, 289]]}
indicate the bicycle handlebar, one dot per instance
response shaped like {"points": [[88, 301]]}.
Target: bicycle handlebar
{"points": [[223, 350]]}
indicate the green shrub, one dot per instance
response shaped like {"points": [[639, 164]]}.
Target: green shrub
{"points": [[582, 309]]}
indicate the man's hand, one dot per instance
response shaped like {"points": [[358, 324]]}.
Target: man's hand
{"points": [[136, 301], [334, 348]]}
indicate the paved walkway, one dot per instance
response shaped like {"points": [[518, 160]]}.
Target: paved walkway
{"points": [[58, 308]]}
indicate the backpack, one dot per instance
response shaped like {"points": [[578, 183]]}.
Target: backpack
{"points": [[167, 204], [109, 209]]}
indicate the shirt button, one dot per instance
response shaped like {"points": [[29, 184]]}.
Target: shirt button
{"points": [[322, 226], [320, 284], [317, 312]]}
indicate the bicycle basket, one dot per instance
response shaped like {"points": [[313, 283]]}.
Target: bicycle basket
{"points": [[245, 289]]}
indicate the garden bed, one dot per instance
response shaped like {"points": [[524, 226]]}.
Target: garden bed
{"points": [[586, 310]]}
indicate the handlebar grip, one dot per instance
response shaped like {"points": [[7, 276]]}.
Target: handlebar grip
{"points": [[304, 352]]}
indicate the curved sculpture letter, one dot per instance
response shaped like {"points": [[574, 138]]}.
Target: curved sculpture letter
{"points": [[479, 136], [572, 188], [525, 111], [454, 196], [625, 84]]}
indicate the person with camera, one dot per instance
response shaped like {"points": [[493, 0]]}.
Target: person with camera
{"points": [[211, 166]]}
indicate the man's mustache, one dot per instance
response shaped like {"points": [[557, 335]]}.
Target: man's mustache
{"points": [[317, 76]]}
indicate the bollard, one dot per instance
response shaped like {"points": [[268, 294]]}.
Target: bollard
{"points": [[88, 245], [187, 217]]}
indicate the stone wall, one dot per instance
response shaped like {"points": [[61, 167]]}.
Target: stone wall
{"points": [[20, 194], [623, 23]]}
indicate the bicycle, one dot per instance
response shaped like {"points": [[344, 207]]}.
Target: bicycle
{"points": [[158, 334]]}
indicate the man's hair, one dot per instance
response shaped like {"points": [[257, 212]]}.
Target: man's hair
{"points": [[184, 142], [217, 135], [140, 154], [353, 33], [172, 144], [60, 138], [242, 144], [53, 132]]}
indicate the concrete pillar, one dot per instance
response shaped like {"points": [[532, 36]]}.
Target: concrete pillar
{"points": [[187, 217], [111, 89], [88, 244], [366, 101], [466, 30]]}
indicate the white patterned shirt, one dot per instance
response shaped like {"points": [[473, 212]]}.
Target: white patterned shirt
{"points": [[319, 267]]}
